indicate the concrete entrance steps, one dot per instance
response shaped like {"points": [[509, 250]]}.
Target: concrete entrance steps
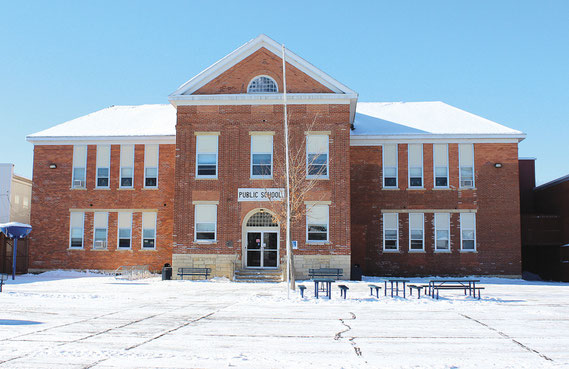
{"points": [[258, 275]]}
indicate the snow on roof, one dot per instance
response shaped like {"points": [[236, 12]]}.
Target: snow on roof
{"points": [[117, 121], [422, 118], [414, 119]]}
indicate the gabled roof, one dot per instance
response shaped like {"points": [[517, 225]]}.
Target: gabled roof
{"points": [[424, 120], [146, 122], [249, 48]]}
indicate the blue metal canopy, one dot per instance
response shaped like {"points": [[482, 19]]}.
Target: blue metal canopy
{"points": [[15, 231]]}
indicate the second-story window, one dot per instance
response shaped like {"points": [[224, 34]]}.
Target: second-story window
{"points": [[151, 166], [317, 156], [103, 165], [415, 165], [261, 156], [390, 166], [440, 160], [79, 166], [466, 166], [127, 166], [206, 156]]}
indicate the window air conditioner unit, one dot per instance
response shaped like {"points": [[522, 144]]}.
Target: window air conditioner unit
{"points": [[467, 183], [100, 244], [78, 183]]}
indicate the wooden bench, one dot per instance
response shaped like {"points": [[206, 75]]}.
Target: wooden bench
{"points": [[301, 288], [372, 287], [418, 288], [193, 271], [325, 272], [343, 290]]}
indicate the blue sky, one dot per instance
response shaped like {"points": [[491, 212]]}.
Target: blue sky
{"points": [[507, 61]]}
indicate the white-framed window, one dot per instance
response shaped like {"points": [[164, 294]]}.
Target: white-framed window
{"points": [[415, 158], [100, 230], [205, 228], [466, 165], [416, 232], [76, 226], [317, 156], [206, 156], [468, 231], [442, 232], [261, 156], [390, 232], [390, 165], [124, 230], [127, 166], [440, 160], [262, 85], [79, 166], [317, 223], [151, 154], [149, 230], [103, 165]]}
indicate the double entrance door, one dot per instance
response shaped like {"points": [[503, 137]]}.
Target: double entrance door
{"points": [[262, 249]]}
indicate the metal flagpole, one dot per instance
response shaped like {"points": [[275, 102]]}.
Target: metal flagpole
{"points": [[288, 251]]}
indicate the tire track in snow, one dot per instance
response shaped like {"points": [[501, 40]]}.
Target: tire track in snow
{"points": [[509, 338], [352, 341]]}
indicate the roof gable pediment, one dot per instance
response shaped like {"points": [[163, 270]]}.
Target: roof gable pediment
{"points": [[262, 55]]}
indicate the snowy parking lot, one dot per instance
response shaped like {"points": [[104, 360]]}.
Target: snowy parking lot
{"points": [[78, 320]]}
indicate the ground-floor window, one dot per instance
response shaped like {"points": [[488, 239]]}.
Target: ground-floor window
{"points": [[416, 232], [125, 230], [468, 232], [390, 232], [100, 230], [442, 232], [317, 223], [77, 220], [148, 230], [205, 222]]}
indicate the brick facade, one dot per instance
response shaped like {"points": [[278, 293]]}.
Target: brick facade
{"points": [[234, 123], [53, 198], [495, 200]]}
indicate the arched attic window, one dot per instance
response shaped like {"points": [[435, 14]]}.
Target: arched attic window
{"points": [[262, 85]]}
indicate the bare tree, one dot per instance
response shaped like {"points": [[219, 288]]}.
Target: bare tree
{"points": [[303, 171]]}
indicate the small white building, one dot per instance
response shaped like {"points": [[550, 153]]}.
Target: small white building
{"points": [[15, 196]]}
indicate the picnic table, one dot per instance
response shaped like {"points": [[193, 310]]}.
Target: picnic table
{"points": [[453, 284], [396, 288], [323, 285]]}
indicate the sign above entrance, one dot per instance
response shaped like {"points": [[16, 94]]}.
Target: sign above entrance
{"points": [[260, 194]]}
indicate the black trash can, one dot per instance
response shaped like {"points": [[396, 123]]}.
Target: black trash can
{"points": [[356, 274], [166, 272]]}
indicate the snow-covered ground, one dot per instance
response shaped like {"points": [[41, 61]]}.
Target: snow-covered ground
{"points": [[78, 320]]}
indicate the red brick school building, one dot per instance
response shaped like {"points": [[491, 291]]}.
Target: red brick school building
{"points": [[418, 188]]}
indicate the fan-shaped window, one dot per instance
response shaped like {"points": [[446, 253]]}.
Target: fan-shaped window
{"points": [[261, 219], [262, 85]]}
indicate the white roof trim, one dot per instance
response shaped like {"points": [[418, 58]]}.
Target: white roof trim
{"points": [[207, 75], [375, 140], [260, 99], [98, 140]]}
